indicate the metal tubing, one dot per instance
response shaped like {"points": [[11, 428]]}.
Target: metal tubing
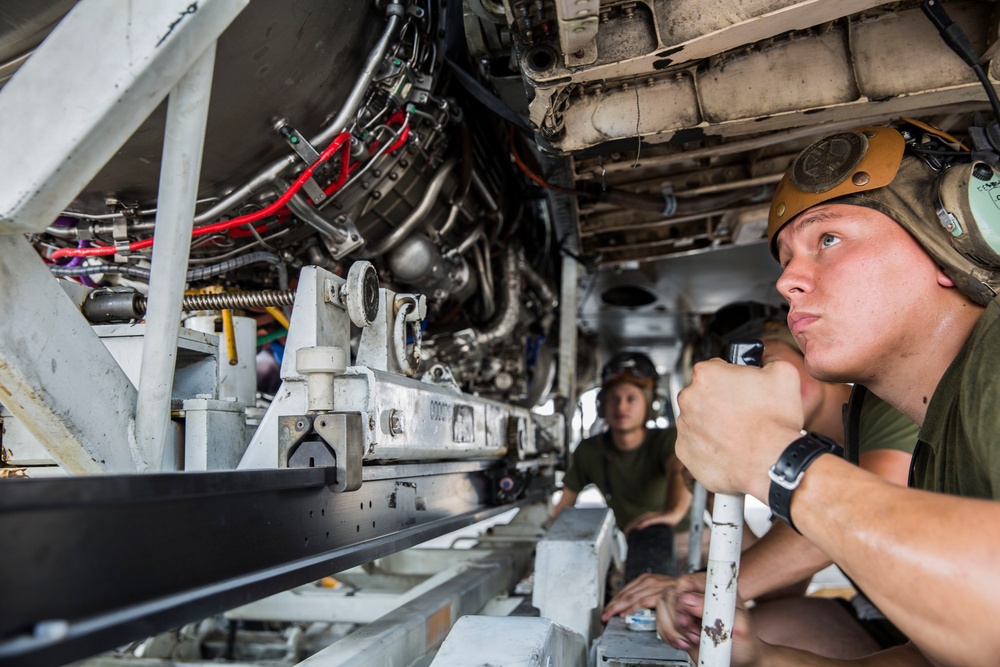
{"points": [[419, 213], [265, 177], [184, 139], [485, 284], [503, 325], [549, 300]]}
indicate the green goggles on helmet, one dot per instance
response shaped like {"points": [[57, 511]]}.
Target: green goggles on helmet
{"points": [[918, 176]]}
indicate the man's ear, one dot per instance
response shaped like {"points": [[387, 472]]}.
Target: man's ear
{"points": [[943, 279]]}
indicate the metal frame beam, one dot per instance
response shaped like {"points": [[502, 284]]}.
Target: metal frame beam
{"points": [[91, 563], [41, 372]]}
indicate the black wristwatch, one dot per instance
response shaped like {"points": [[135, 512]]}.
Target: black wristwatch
{"points": [[786, 474]]}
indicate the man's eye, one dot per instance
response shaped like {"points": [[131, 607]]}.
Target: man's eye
{"points": [[828, 240]]}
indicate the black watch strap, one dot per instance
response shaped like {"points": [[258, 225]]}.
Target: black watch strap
{"points": [[787, 472]]}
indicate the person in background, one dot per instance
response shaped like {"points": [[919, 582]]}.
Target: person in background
{"points": [[633, 466], [775, 570]]}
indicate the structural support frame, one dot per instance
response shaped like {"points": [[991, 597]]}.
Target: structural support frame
{"points": [[91, 563]]}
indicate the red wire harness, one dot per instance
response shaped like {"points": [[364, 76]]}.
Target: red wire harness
{"points": [[342, 141]]}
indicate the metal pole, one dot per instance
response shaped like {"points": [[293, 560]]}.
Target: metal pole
{"points": [[184, 139], [698, 501], [720, 587], [716, 645]]}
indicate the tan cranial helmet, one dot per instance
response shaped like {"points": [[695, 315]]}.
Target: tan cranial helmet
{"points": [[951, 210]]}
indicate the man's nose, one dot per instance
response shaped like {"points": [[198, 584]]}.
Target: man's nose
{"points": [[795, 278]]}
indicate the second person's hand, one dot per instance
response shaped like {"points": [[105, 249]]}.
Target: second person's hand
{"points": [[640, 593]]}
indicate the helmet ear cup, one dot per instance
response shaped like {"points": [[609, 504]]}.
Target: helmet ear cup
{"points": [[600, 404], [967, 198]]}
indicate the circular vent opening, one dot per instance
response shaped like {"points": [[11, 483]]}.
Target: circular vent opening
{"points": [[628, 296]]}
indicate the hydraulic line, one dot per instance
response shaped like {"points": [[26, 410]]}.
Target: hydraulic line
{"points": [[229, 334], [504, 324], [242, 300], [342, 140], [118, 305], [139, 273]]}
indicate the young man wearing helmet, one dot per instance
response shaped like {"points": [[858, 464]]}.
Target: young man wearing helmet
{"points": [[632, 466], [890, 266], [776, 568]]}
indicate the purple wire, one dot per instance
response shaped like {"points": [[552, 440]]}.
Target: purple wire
{"points": [[76, 261]]}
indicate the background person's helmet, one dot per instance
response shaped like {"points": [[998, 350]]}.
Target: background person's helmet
{"points": [[919, 177], [746, 319], [632, 367]]}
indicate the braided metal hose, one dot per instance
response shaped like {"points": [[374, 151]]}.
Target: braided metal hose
{"points": [[237, 300], [128, 305]]}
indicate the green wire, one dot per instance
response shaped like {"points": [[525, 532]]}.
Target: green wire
{"points": [[271, 336]]}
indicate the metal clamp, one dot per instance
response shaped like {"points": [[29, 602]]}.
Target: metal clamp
{"points": [[339, 446], [410, 309]]}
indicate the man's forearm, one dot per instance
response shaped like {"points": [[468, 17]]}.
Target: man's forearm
{"points": [[778, 559], [900, 656], [906, 547], [678, 500]]}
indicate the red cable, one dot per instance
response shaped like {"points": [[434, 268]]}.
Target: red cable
{"points": [[345, 169], [225, 224]]}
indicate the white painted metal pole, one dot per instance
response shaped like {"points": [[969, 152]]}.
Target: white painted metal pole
{"points": [[566, 385], [716, 646], [184, 139], [720, 589]]}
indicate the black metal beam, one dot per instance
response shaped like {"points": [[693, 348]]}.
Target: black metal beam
{"points": [[88, 564]]}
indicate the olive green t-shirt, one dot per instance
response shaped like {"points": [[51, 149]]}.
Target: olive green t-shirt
{"points": [[632, 482], [884, 427], [959, 452]]}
